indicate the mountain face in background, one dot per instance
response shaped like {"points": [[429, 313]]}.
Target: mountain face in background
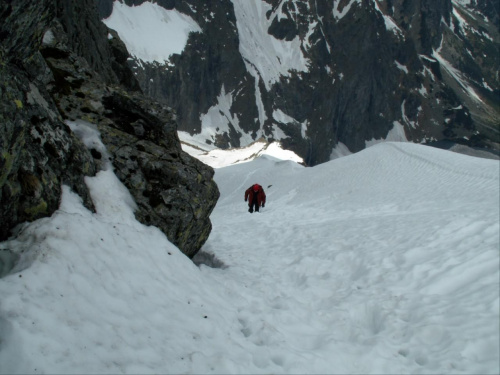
{"points": [[324, 77]]}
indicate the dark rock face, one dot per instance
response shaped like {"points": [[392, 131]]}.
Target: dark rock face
{"points": [[174, 191], [63, 79], [38, 152], [373, 67]]}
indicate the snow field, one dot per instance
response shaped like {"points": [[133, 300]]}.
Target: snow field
{"points": [[101, 293], [384, 261]]}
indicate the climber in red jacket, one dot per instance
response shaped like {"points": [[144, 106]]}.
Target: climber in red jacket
{"points": [[256, 197]]}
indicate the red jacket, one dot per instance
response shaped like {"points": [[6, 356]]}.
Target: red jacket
{"points": [[261, 196]]}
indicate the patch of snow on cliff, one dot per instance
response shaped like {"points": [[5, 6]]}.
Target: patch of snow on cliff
{"points": [[150, 32], [339, 14], [48, 37], [401, 66], [307, 39], [218, 118], [279, 12], [396, 134], [463, 24], [283, 118], [91, 138], [455, 73], [278, 133], [270, 57], [258, 95], [423, 91], [340, 150], [461, 2], [486, 86], [405, 118], [390, 25]]}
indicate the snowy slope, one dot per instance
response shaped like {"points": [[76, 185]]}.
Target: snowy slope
{"points": [[384, 261], [381, 257]]}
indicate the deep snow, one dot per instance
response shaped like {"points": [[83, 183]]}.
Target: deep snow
{"points": [[384, 261]]}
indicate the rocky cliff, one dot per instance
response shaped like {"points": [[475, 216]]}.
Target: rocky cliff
{"points": [[61, 66], [324, 75]]}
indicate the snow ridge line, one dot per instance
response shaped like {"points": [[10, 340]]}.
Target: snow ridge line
{"points": [[444, 167]]}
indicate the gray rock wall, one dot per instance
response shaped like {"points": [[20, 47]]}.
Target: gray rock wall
{"points": [[57, 64], [38, 152]]}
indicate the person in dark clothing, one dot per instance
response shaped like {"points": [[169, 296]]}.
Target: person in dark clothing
{"points": [[256, 197]]}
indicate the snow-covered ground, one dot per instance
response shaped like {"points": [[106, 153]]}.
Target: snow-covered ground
{"points": [[384, 261]]}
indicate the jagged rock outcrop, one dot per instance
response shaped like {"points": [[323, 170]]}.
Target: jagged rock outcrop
{"points": [[51, 74], [315, 74], [173, 191], [38, 152]]}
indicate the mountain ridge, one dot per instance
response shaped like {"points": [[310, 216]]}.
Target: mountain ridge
{"points": [[343, 73]]}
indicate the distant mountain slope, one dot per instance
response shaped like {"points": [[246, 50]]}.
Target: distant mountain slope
{"points": [[321, 75]]}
